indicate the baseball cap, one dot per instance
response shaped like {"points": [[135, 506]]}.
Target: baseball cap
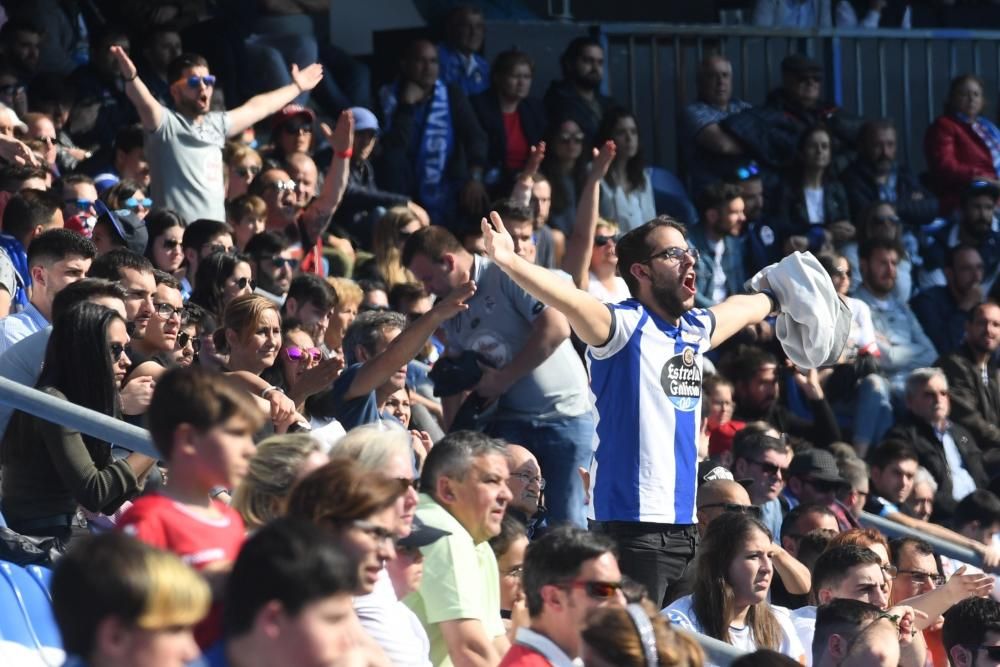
{"points": [[289, 112], [799, 64], [710, 470], [127, 226], [421, 535], [817, 464], [364, 119], [981, 187]]}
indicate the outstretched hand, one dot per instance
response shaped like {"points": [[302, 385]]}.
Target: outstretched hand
{"points": [[308, 78], [535, 156], [341, 137], [454, 302], [603, 157], [125, 65], [17, 152], [498, 242]]}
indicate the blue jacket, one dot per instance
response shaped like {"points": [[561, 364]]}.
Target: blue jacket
{"points": [[732, 265]]}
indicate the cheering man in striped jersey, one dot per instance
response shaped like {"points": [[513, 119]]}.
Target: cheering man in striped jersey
{"points": [[644, 356]]}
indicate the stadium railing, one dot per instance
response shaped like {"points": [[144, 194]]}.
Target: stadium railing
{"points": [[891, 529]]}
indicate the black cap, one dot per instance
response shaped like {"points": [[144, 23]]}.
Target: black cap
{"points": [[799, 65], [127, 226], [817, 464], [981, 187], [421, 535]]}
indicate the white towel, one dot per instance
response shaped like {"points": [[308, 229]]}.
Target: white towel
{"points": [[814, 322]]}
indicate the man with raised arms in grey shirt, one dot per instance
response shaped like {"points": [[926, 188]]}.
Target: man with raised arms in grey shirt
{"points": [[184, 144]]}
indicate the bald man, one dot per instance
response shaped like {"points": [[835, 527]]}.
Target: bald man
{"points": [[526, 484]]}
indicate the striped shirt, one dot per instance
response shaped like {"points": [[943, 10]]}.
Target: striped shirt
{"points": [[646, 387]]}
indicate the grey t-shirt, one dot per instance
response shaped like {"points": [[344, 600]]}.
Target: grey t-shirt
{"points": [[8, 275], [497, 324], [185, 160]]}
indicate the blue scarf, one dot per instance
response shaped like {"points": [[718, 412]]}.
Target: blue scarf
{"points": [[988, 132], [435, 143], [19, 258]]}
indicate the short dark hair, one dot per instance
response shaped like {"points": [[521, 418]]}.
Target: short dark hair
{"points": [[199, 232], [265, 244], [511, 530], [751, 445], [792, 518], [291, 561], [76, 179], [743, 362], [401, 292], [164, 278], [833, 565], [556, 557], [573, 51], [840, 616], [182, 62], [868, 130], [812, 544], [633, 247], [197, 397], [510, 210], [967, 622], [57, 244], [128, 138], [310, 288], [29, 209], [452, 457], [717, 194], [366, 330], [897, 545], [110, 264], [764, 657], [980, 505], [870, 245], [84, 290], [432, 242], [13, 176], [891, 451]]}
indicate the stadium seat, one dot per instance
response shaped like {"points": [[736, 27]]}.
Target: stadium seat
{"points": [[43, 576], [14, 624], [32, 603], [670, 196]]}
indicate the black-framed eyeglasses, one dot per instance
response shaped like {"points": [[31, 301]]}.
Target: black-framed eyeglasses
{"points": [[195, 81], [117, 350], [282, 262], [530, 479], [242, 283], [992, 651], [247, 172], [921, 578], [748, 171], [823, 486], [601, 240], [598, 590], [184, 338], [375, 531], [674, 254], [751, 510], [165, 310], [770, 468]]}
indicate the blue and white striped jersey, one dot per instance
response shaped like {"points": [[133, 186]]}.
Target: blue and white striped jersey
{"points": [[646, 386]]}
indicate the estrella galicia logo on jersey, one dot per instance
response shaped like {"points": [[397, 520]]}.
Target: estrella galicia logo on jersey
{"points": [[681, 380]]}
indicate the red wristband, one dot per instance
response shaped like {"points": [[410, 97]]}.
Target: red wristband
{"points": [[345, 154]]}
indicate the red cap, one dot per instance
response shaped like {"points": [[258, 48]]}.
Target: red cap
{"points": [[289, 112]]}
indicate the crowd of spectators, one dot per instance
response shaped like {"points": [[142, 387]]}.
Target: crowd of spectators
{"points": [[431, 328]]}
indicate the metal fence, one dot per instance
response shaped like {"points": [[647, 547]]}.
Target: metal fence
{"points": [[899, 74]]}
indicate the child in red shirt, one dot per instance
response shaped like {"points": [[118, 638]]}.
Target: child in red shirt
{"points": [[203, 426]]}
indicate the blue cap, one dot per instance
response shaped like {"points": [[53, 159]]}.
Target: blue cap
{"points": [[364, 119]]}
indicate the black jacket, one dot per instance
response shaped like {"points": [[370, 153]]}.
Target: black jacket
{"points": [[487, 108], [354, 215], [930, 454], [821, 431], [862, 192], [562, 102], [974, 405]]}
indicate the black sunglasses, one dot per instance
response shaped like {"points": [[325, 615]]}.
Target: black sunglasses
{"points": [[771, 469], [184, 338], [170, 244], [601, 240], [822, 486], [751, 510], [992, 651], [117, 350], [598, 590], [243, 282]]}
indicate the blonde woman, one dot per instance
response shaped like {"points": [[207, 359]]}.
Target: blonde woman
{"points": [[391, 232]]}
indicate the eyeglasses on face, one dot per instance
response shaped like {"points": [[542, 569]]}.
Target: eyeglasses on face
{"points": [[598, 590], [296, 353], [195, 81], [771, 469], [184, 338], [374, 531], [281, 186], [751, 510], [247, 172], [890, 571], [48, 141], [298, 128], [132, 203], [218, 247], [822, 486], [408, 483], [117, 350], [282, 262], [243, 282], [165, 310], [746, 172], [674, 254], [517, 572], [601, 240], [80, 203], [530, 479], [993, 652], [921, 578], [571, 137]]}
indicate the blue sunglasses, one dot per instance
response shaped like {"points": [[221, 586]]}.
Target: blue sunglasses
{"points": [[195, 81], [133, 203], [747, 172]]}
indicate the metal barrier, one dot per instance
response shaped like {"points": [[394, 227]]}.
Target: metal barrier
{"points": [[716, 652], [899, 74], [96, 424], [892, 529]]}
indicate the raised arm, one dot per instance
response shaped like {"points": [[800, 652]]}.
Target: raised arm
{"points": [[589, 318], [576, 261], [737, 312], [521, 192], [261, 106], [376, 371], [317, 216], [149, 110]]}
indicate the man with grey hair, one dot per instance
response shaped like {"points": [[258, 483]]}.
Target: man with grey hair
{"points": [[526, 485], [464, 492], [944, 448], [377, 347]]}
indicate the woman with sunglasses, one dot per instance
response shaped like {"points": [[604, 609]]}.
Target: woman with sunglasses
{"points": [[126, 194], [49, 470], [565, 167], [166, 231], [292, 132], [221, 278], [242, 166], [391, 232], [729, 597]]}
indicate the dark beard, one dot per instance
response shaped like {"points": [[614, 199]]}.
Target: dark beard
{"points": [[587, 83], [667, 299]]}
